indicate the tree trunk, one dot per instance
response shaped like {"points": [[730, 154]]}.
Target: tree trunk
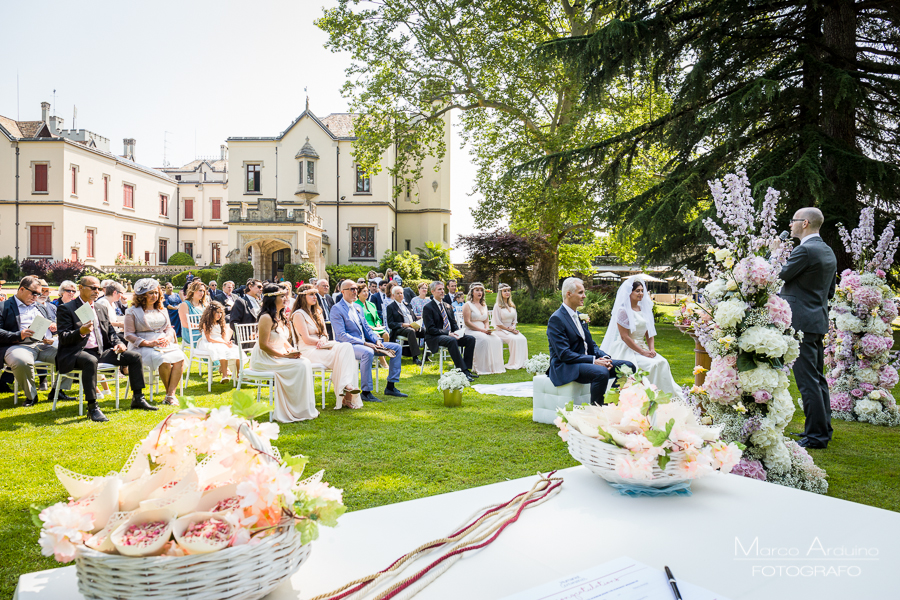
{"points": [[838, 122], [546, 268]]}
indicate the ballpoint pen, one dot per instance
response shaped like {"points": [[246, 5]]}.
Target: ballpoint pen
{"points": [[673, 583]]}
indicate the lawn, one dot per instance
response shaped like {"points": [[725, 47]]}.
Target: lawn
{"points": [[384, 453]]}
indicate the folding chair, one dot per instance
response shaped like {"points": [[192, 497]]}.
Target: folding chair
{"points": [[245, 334], [47, 368], [201, 357]]}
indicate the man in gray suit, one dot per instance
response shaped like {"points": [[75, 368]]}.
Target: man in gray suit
{"points": [[809, 281]]}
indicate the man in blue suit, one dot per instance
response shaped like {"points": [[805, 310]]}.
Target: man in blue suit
{"points": [[350, 325], [573, 354]]}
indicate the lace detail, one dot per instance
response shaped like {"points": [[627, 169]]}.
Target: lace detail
{"points": [[623, 320], [76, 484]]}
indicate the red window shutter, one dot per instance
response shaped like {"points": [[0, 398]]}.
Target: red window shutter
{"points": [[106, 189], [41, 240], [90, 243], [40, 178], [128, 200], [189, 208], [216, 209]]}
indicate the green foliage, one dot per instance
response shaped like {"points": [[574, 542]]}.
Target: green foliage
{"points": [[9, 269], [238, 272], [539, 309], [245, 405], [117, 277], [205, 275], [181, 259], [406, 264], [436, 263], [575, 259], [296, 273], [337, 273]]}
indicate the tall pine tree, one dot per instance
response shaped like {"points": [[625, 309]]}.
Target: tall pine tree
{"points": [[803, 95]]}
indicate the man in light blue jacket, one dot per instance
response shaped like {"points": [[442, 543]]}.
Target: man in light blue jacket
{"points": [[350, 325]]}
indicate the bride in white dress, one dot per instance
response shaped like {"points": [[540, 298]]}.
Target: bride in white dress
{"points": [[631, 332]]}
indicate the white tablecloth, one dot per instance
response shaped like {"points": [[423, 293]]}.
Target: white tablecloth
{"points": [[705, 540]]}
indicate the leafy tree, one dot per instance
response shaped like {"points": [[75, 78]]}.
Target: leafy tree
{"points": [[805, 96], [62, 270], [405, 263], [436, 263], [9, 268], [493, 251], [296, 273], [415, 61]]}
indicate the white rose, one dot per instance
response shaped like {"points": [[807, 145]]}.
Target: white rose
{"points": [[722, 254], [715, 289], [732, 285], [875, 395], [867, 407]]}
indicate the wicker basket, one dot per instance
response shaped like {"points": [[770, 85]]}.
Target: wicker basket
{"points": [[600, 458], [246, 572]]}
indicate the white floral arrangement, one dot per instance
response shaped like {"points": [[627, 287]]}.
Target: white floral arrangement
{"points": [[746, 329], [453, 381], [165, 502], [857, 352], [652, 427], [538, 364]]}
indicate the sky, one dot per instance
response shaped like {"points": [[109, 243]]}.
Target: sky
{"points": [[181, 77]]}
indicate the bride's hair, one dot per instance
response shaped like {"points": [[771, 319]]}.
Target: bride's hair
{"points": [[501, 301], [637, 283]]}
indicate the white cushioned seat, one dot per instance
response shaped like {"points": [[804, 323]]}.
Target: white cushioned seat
{"points": [[548, 397]]}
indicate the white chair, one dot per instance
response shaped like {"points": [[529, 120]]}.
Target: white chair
{"points": [[47, 368], [105, 369], [201, 357], [548, 397], [442, 354], [245, 334]]}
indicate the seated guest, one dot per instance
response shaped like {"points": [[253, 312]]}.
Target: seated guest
{"points": [[215, 295], [312, 341], [113, 292], [20, 349], [440, 326], [67, 292], [228, 296], [375, 295], [459, 301], [504, 320], [326, 302], [387, 300], [83, 346], [371, 275], [402, 322], [372, 314], [149, 332], [452, 292], [488, 347], [295, 393], [247, 309], [350, 326], [171, 302], [574, 356], [195, 302], [48, 311], [288, 298], [215, 340], [419, 301]]}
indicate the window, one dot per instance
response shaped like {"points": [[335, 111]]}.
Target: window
{"points": [[188, 209], [301, 172], [40, 177], [163, 205], [41, 240], [362, 181], [128, 196], [362, 242], [216, 209], [128, 245], [74, 180], [89, 243], [310, 172], [146, 257], [163, 251], [216, 253], [407, 245], [445, 232], [106, 189], [189, 249], [254, 178]]}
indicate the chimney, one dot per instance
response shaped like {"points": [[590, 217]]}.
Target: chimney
{"points": [[129, 148], [45, 111], [223, 152]]}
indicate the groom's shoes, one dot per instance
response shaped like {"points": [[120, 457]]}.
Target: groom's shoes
{"points": [[808, 443], [390, 390], [369, 397], [469, 375]]}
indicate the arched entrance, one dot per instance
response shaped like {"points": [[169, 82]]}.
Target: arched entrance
{"points": [[279, 259]]}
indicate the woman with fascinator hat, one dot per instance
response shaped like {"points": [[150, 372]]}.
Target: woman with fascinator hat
{"points": [[149, 332], [631, 332]]}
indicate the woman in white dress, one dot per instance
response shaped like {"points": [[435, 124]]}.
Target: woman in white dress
{"points": [[149, 331], [504, 320], [295, 395], [631, 332], [312, 340], [215, 339], [488, 347]]}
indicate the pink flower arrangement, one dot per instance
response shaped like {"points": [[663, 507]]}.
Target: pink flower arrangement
{"points": [[723, 382], [755, 270], [761, 396], [873, 345], [841, 401], [779, 310], [867, 297], [750, 468], [889, 377]]}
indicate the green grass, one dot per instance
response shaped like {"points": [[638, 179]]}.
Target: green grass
{"points": [[384, 453]]}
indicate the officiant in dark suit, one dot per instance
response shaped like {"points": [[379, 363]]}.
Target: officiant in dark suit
{"points": [[84, 345], [809, 282], [574, 356]]}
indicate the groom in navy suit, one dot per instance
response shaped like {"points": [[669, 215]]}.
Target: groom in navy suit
{"points": [[573, 354]]}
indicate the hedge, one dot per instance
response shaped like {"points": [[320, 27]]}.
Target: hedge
{"points": [[205, 275], [181, 259], [239, 273], [338, 273], [539, 309], [295, 273]]}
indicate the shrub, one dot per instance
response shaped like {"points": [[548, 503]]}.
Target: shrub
{"points": [[238, 272], [124, 279], [61, 270], [181, 259], [405, 263], [539, 310], [295, 273], [9, 268], [436, 263], [38, 268], [340, 272], [205, 275]]}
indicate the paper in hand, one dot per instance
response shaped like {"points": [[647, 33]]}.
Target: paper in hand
{"points": [[39, 326], [85, 313]]}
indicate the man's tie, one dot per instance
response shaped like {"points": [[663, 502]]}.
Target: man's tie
{"points": [[444, 314]]}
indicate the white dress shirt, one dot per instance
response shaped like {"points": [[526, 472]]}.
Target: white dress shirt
{"points": [[809, 237], [578, 327], [27, 313]]}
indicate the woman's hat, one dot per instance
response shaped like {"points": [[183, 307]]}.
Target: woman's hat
{"points": [[142, 286]]}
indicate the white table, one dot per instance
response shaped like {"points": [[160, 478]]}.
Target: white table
{"points": [[589, 523]]}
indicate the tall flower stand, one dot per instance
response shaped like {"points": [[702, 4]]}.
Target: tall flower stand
{"points": [[701, 358]]}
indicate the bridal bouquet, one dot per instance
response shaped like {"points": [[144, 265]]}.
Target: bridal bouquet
{"points": [[655, 431], [857, 351], [746, 329], [166, 502]]}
